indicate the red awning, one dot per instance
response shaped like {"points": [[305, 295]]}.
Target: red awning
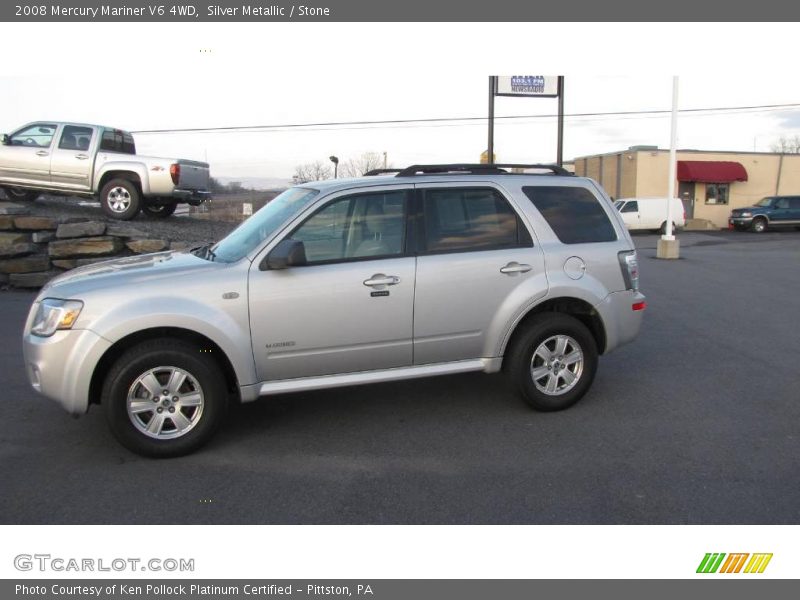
{"points": [[711, 171]]}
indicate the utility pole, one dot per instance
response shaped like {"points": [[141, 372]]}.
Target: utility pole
{"points": [[490, 157]]}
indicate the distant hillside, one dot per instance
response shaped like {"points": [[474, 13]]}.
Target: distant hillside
{"points": [[257, 183]]}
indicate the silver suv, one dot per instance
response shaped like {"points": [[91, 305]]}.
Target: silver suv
{"points": [[431, 270]]}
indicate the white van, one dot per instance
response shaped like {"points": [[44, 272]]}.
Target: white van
{"points": [[650, 213]]}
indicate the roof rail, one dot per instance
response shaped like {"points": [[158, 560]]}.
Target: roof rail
{"points": [[477, 169], [374, 172]]}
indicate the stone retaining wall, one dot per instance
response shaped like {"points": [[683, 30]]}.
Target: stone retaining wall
{"points": [[35, 249]]}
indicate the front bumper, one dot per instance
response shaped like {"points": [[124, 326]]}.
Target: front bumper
{"points": [[60, 367], [193, 197], [740, 221]]}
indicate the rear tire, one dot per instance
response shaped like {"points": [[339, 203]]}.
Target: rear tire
{"points": [[120, 199], [152, 423], [21, 194], [553, 362], [159, 211], [759, 225]]}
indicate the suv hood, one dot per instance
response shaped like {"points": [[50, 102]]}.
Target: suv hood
{"points": [[132, 270]]}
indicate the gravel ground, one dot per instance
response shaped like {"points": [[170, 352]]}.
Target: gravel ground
{"points": [[207, 223]]}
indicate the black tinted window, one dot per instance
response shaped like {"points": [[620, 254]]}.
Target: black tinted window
{"points": [[470, 219], [794, 202], [115, 140], [573, 213]]}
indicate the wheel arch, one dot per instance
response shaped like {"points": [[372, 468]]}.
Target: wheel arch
{"points": [[122, 345], [575, 307], [128, 174]]}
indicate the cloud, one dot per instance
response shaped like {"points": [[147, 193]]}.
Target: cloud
{"points": [[789, 119]]}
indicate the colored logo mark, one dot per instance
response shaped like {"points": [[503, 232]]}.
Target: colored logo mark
{"points": [[734, 563]]}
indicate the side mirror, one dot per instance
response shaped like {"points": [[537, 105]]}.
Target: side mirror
{"points": [[288, 253], [5, 140]]}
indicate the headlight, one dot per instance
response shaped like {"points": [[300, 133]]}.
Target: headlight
{"points": [[55, 314], [746, 214]]}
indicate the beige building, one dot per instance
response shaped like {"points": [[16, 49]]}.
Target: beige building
{"points": [[710, 184]]}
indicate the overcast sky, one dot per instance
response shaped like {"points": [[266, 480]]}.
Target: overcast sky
{"points": [[265, 96]]}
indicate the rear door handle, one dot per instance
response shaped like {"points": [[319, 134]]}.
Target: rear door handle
{"points": [[381, 279], [514, 267], [81, 156], [42, 153]]}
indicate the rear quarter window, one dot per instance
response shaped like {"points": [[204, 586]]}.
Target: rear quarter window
{"points": [[573, 213]]}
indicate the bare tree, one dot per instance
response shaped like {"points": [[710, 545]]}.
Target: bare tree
{"points": [[356, 167], [315, 171], [787, 145]]}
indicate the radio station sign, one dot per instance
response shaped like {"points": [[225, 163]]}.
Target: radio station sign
{"points": [[543, 86]]}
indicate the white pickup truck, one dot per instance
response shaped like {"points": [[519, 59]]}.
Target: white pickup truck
{"points": [[93, 161]]}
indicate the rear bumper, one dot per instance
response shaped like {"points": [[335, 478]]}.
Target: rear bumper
{"points": [[620, 318], [193, 197]]}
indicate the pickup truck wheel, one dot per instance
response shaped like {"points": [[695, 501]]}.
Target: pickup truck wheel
{"points": [[553, 362], [759, 225], [159, 211], [15, 193], [120, 199], [164, 398]]}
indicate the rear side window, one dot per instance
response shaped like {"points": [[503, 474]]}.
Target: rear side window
{"points": [[573, 213], [794, 203], [464, 219], [115, 140]]}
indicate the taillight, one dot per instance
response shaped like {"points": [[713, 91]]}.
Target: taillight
{"points": [[639, 305], [630, 269], [175, 173]]}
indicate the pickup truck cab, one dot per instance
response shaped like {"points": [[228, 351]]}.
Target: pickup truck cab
{"points": [[100, 162], [772, 211]]}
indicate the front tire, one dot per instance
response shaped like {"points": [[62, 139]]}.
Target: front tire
{"points": [[164, 398], [120, 199], [21, 194], [759, 225], [159, 211], [553, 362]]}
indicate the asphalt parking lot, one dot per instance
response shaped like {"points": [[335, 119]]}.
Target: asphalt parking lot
{"points": [[695, 422]]}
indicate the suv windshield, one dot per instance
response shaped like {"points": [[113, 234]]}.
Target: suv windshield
{"points": [[249, 235], [764, 202]]}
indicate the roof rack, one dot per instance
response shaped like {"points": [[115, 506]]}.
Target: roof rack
{"points": [[476, 169], [374, 172]]}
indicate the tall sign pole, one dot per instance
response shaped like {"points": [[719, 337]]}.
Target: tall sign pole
{"points": [[668, 246], [492, 91], [560, 143], [542, 86]]}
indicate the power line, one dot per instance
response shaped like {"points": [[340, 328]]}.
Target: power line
{"points": [[256, 128]]}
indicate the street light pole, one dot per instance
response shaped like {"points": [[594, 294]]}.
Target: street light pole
{"points": [[668, 246], [335, 161]]}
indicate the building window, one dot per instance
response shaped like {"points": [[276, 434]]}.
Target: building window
{"points": [[717, 193]]}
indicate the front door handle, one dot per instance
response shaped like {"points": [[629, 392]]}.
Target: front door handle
{"points": [[81, 156], [381, 279], [42, 153], [513, 268]]}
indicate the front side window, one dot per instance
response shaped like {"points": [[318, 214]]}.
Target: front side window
{"points": [[35, 136], [354, 227], [573, 213], [717, 193], [75, 137], [631, 207], [464, 219], [782, 203]]}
